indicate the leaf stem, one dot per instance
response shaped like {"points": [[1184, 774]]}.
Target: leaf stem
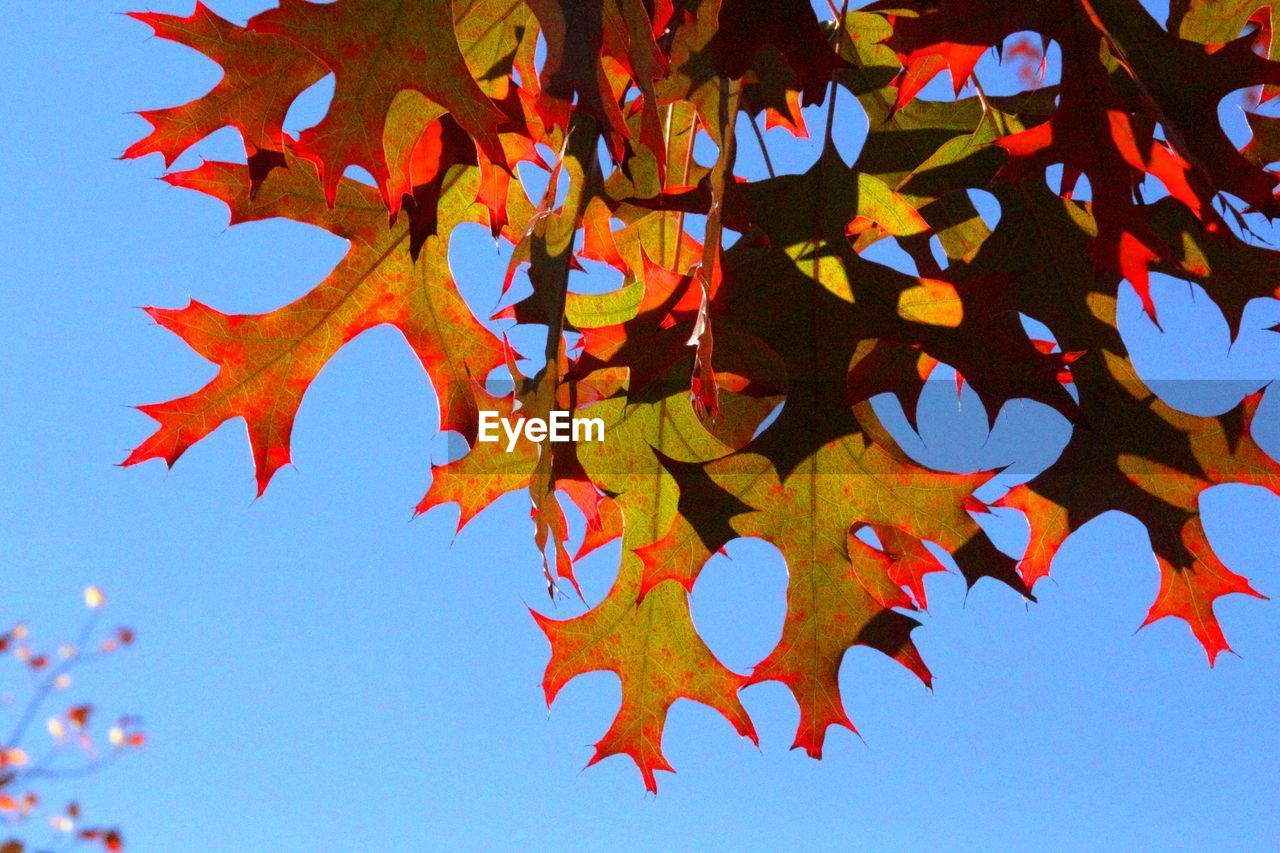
{"points": [[764, 149], [832, 91]]}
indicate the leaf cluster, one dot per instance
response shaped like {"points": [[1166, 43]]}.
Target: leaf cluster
{"points": [[735, 366]]}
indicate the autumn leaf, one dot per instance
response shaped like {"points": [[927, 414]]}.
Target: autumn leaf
{"points": [[267, 361], [262, 75], [625, 633], [375, 50]]}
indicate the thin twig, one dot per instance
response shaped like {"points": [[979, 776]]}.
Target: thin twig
{"points": [[50, 682]]}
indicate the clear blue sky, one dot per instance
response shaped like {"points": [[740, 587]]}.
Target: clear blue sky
{"points": [[318, 673]]}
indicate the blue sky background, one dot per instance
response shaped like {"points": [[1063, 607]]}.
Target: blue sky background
{"points": [[318, 673]]}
